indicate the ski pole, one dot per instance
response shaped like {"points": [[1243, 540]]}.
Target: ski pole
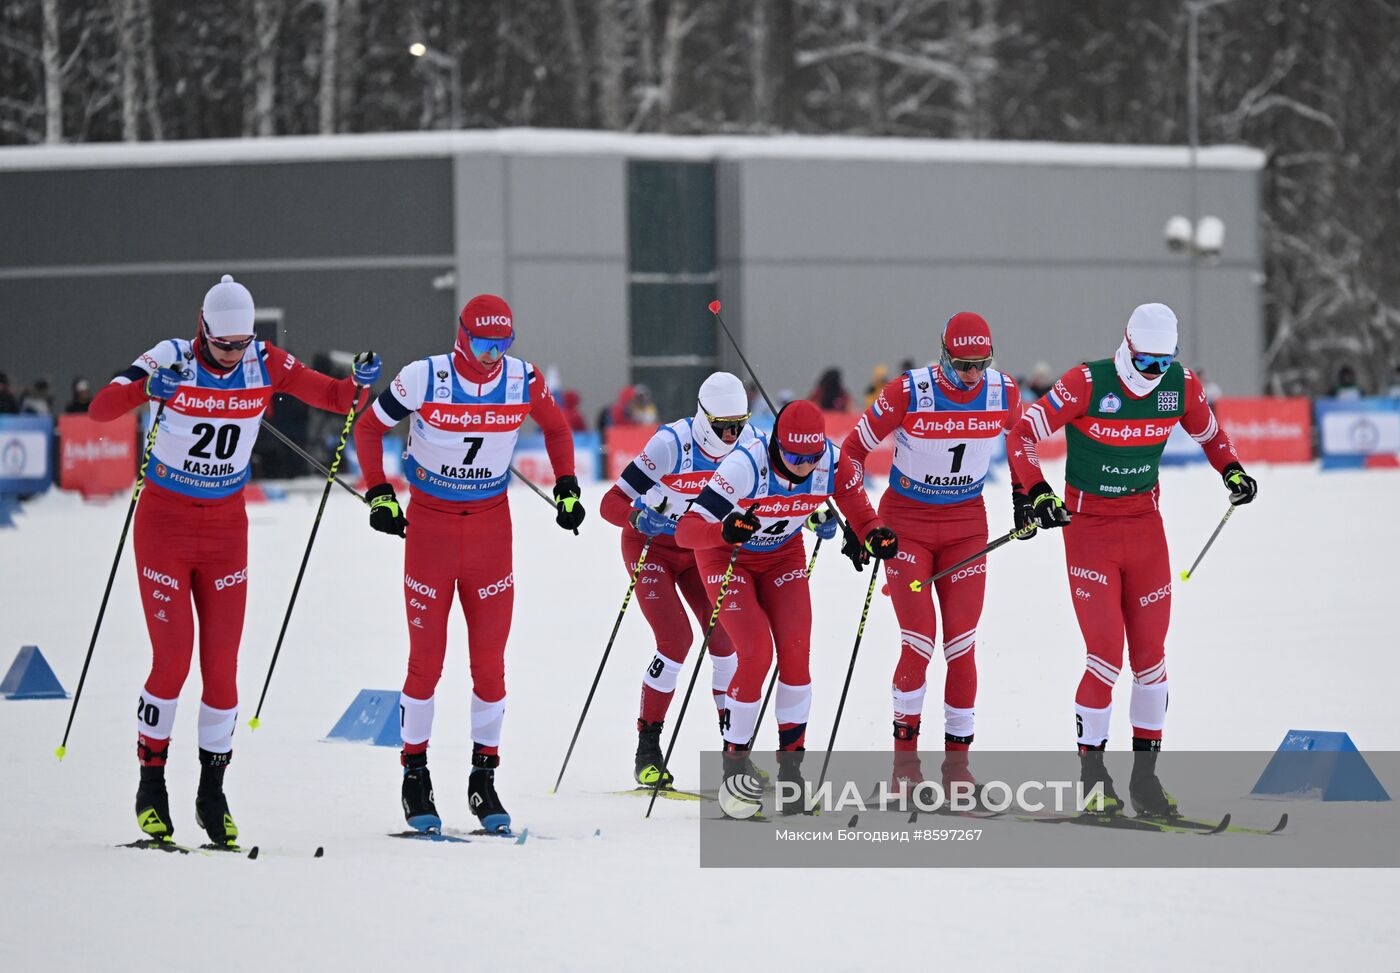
{"points": [[850, 670], [256, 721], [315, 463], [773, 679], [626, 600], [538, 492], [1003, 539], [1186, 575], [121, 545], [709, 630], [715, 309]]}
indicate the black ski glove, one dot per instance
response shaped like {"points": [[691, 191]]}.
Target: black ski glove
{"points": [[566, 499], [882, 543], [385, 514], [1049, 510], [739, 526], [1242, 486]]}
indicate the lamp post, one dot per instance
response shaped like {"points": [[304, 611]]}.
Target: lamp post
{"points": [[420, 50]]}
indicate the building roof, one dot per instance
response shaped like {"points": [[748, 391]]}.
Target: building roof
{"points": [[571, 142]]}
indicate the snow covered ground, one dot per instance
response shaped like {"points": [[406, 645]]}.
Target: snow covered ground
{"points": [[1287, 624]]}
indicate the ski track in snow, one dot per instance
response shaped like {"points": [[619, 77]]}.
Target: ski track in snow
{"points": [[1286, 624]]}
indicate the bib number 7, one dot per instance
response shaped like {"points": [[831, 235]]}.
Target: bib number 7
{"points": [[473, 447]]}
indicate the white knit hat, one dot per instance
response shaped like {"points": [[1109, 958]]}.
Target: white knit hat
{"points": [[228, 308], [1152, 329]]}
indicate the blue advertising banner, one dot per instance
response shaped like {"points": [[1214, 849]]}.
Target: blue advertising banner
{"points": [[25, 445]]}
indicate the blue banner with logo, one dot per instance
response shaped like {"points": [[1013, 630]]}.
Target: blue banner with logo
{"points": [[26, 443], [1358, 433]]}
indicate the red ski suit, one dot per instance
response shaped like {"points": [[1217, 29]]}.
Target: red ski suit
{"points": [[768, 603], [932, 536], [1120, 577], [457, 546], [192, 552]]}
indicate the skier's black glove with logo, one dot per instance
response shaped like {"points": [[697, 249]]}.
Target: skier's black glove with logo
{"points": [[385, 515], [1049, 510], [739, 526], [882, 543], [566, 499], [1242, 486]]}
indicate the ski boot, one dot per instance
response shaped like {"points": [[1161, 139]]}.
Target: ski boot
{"points": [[651, 762], [740, 792], [1093, 772], [418, 807], [152, 800], [482, 797], [790, 772], [748, 767], [210, 806], [1145, 791], [906, 774]]}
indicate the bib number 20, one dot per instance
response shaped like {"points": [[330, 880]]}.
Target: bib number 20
{"points": [[223, 438]]}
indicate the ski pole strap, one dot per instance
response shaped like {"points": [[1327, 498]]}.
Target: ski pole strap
{"points": [[1003, 539], [1186, 575]]}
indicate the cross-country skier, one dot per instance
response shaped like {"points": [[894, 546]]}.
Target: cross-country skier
{"points": [[647, 501], [1119, 412], [191, 537], [760, 498], [946, 420], [466, 409]]}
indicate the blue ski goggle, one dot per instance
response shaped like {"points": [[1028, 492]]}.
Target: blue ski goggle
{"points": [[795, 459], [1151, 364], [492, 348]]}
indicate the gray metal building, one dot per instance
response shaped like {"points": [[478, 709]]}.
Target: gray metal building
{"points": [[825, 251]]}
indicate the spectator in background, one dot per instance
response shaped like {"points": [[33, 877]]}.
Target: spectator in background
{"points": [[632, 407], [8, 403], [830, 394], [1346, 386], [37, 399], [81, 397], [1042, 378], [906, 365], [570, 400], [879, 375]]}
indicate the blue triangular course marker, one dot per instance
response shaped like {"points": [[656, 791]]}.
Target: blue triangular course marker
{"points": [[31, 678], [372, 718], [1319, 765]]}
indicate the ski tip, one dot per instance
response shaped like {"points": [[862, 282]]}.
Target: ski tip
{"points": [[253, 853], [254, 723], [61, 752], [597, 832], [913, 817], [1283, 821], [525, 833], [714, 307], [1222, 826], [320, 852], [852, 823]]}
